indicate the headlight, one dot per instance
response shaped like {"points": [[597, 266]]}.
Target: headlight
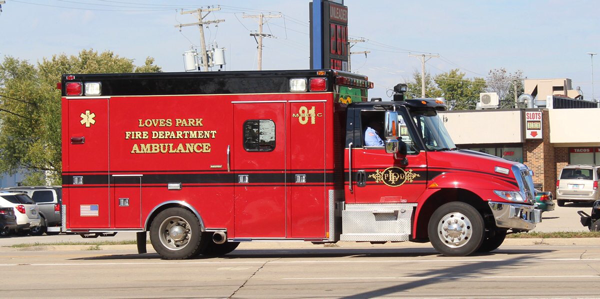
{"points": [[514, 196]]}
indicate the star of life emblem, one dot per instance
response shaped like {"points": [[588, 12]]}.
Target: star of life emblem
{"points": [[87, 118]]}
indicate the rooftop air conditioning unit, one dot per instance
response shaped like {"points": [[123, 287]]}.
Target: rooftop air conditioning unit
{"points": [[489, 100]]}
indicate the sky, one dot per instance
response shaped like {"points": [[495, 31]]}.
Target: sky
{"points": [[542, 38]]}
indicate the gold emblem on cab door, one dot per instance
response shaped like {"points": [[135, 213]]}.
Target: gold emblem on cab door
{"points": [[87, 118], [394, 176]]}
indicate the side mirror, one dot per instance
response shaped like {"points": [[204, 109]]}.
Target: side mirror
{"points": [[391, 125], [392, 146]]}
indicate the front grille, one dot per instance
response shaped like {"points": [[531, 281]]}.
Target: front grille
{"points": [[527, 184]]}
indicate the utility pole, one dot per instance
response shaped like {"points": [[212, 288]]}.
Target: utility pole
{"points": [[423, 60], [260, 35], [592, 57], [351, 43], [200, 25]]}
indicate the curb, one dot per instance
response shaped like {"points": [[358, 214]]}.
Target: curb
{"points": [[95, 247]]}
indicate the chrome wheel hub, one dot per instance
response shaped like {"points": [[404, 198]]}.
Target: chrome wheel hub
{"points": [[175, 233], [455, 229]]}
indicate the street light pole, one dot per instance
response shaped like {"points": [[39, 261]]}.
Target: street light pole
{"points": [[592, 57]]}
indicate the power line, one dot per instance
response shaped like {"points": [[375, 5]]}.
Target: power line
{"points": [[200, 25], [424, 59], [260, 35]]}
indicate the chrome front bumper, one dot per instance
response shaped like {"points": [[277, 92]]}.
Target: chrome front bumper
{"points": [[515, 216]]}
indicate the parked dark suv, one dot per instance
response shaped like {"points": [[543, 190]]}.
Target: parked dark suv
{"points": [[49, 200]]}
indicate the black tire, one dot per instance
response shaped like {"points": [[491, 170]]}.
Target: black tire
{"points": [[561, 203], [4, 232], [213, 249], [175, 234], [456, 229], [492, 240], [52, 233], [38, 230]]}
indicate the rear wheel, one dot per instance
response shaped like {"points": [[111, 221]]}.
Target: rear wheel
{"points": [[456, 229], [493, 240], [175, 234], [561, 203], [213, 249], [39, 230], [4, 232]]}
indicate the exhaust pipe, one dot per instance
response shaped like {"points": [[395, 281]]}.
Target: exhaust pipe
{"points": [[219, 237]]}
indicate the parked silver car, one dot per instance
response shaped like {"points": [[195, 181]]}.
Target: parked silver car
{"points": [[49, 200], [577, 183], [25, 209]]}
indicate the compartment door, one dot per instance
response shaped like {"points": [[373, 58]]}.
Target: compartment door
{"points": [[307, 204], [259, 149], [127, 201], [87, 178]]}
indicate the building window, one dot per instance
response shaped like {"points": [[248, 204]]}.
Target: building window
{"points": [[584, 155], [259, 135]]}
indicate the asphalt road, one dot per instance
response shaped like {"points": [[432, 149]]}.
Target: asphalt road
{"points": [[357, 271], [532, 268]]}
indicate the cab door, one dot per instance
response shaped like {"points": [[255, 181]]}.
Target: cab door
{"points": [[381, 178], [259, 149], [87, 177]]}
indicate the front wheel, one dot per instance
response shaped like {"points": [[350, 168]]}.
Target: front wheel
{"points": [[493, 240], [175, 234], [456, 229]]}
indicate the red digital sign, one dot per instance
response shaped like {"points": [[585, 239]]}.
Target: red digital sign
{"points": [[335, 35]]}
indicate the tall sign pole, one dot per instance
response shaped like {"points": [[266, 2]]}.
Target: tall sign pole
{"points": [[329, 35]]}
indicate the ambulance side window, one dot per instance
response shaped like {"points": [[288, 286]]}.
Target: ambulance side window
{"points": [[259, 135]]}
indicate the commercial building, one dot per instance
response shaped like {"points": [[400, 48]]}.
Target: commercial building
{"points": [[561, 131]]}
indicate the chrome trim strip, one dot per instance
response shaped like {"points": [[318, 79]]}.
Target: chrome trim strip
{"points": [[228, 159], [63, 217], [307, 101], [127, 175], [256, 102], [87, 97], [332, 227], [350, 165]]}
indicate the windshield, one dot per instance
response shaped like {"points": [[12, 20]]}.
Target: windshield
{"points": [[432, 131]]}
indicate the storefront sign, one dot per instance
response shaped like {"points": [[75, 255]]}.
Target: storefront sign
{"points": [[533, 121]]}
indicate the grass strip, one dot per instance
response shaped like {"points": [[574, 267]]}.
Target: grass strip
{"points": [[565, 235], [99, 243]]}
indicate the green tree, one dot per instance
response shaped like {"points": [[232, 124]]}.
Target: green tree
{"points": [[460, 92], [503, 83], [431, 90], [30, 107]]}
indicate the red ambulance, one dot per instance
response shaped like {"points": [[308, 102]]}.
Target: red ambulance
{"points": [[204, 161]]}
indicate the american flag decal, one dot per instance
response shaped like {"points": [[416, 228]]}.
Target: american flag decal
{"points": [[88, 210]]}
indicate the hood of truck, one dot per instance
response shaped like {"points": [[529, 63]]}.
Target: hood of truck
{"points": [[471, 163]]}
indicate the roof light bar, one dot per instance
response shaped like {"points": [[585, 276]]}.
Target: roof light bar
{"points": [[74, 89], [93, 88], [298, 85]]}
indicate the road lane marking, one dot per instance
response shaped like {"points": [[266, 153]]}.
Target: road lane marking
{"points": [[159, 262], [419, 277]]}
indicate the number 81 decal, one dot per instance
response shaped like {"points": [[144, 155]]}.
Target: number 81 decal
{"points": [[305, 115]]}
